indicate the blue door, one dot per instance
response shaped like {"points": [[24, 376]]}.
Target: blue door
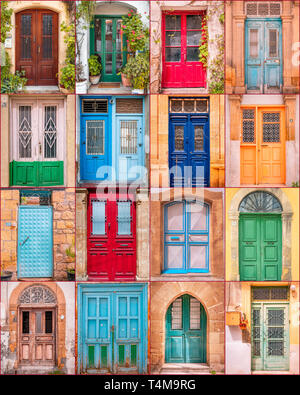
{"points": [[35, 243], [112, 328], [189, 150], [263, 55], [186, 237], [130, 149]]}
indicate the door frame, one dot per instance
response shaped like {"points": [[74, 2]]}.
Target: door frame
{"points": [[104, 289], [259, 109]]}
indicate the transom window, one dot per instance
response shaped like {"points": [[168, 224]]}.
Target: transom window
{"points": [[186, 228], [260, 202]]}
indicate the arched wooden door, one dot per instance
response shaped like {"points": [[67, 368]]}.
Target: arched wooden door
{"points": [[186, 326], [260, 237], [37, 46]]}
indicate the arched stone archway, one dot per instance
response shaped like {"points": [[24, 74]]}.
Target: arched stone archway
{"points": [[286, 218]]}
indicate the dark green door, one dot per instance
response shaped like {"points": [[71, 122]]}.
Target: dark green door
{"points": [[186, 331], [108, 40], [260, 247]]}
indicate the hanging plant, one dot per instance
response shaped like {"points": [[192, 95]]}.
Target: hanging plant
{"points": [[203, 45], [136, 32]]}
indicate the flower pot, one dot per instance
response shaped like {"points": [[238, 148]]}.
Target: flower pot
{"points": [[137, 91], [71, 276], [94, 79], [6, 275], [125, 81], [63, 90], [81, 87]]}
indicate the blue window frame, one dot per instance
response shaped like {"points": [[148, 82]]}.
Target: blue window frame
{"points": [[186, 237]]}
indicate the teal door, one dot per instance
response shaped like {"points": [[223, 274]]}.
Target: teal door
{"points": [[109, 42], [35, 245], [260, 247], [186, 331], [270, 336]]}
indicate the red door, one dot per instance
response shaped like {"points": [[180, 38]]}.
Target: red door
{"points": [[181, 34], [111, 238], [37, 46]]}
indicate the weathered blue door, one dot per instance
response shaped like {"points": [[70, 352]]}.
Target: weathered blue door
{"points": [[189, 150], [130, 148], [186, 331], [35, 255], [113, 328], [263, 55]]}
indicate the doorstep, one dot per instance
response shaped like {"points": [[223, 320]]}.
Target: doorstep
{"points": [[183, 368], [108, 90]]}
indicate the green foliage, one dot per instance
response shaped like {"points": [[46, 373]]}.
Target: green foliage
{"points": [[67, 77], [295, 184], [136, 33], [5, 20], [10, 83], [217, 77], [203, 45], [137, 70], [95, 66]]}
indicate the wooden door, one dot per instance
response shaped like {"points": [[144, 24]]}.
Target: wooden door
{"points": [[260, 252], [263, 146], [111, 238], [185, 331], [37, 344], [270, 336], [181, 34], [37, 46]]}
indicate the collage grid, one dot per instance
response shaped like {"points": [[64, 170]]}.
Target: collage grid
{"points": [[150, 218]]}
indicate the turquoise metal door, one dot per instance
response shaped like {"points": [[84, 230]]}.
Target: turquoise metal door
{"points": [[35, 242], [112, 328], [270, 336], [263, 55], [186, 331]]}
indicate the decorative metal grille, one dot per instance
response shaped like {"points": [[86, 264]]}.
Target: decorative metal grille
{"points": [[256, 332], [37, 295], [25, 132], [128, 137], [195, 307], [50, 132], [93, 105], [270, 293], [271, 127], [44, 196], [263, 9], [275, 332], [95, 136], [248, 126], [176, 312], [179, 138], [199, 138], [260, 202], [188, 105]]}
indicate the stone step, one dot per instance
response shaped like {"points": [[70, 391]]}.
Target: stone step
{"points": [[184, 368]]}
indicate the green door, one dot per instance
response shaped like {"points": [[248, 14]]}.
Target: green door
{"points": [[270, 336], [186, 331], [260, 247], [108, 41]]}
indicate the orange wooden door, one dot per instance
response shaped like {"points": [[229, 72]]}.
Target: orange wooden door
{"points": [[262, 154]]}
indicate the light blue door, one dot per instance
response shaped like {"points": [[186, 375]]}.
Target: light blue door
{"points": [[263, 55], [112, 328], [130, 149], [35, 242]]}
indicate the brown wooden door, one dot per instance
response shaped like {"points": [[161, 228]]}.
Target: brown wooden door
{"points": [[37, 46], [37, 337]]}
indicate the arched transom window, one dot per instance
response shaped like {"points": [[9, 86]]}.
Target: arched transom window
{"points": [[260, 202]]}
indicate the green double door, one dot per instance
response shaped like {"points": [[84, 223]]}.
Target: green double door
{"points": [[186, 331], [270, 336], [109, 41], [260, 247]]}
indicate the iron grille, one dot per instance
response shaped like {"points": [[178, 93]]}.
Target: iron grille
{"points": [[128, 137], [94, 105], [190, 105], [263, 9], [248, 126], [270, 293], [50, 132], [176, 313], [25, 132], [44, 196], [260, 202]]}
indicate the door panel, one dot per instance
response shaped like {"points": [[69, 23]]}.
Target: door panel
{"points": [[37, 46], [270, 336], [113, 329], [181, 33], [260, 251], [111, 238], [35, 243], [185, 331], [263, 54]]}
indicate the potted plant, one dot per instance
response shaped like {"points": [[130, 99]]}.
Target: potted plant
{"points": [[137, 70], [71, 274], [95, 68], [6, 275], [67, 78]]}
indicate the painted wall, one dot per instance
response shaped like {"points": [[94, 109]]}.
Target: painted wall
{"points": [[159, 154], [288, 197]]}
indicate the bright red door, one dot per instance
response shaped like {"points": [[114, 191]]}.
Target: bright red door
{"points": [[181, 34], [111, 238]]}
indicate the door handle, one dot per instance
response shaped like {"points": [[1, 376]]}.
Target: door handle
{"points": [[40, 148], [21, 244], [38, 49], [108, 225]]}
